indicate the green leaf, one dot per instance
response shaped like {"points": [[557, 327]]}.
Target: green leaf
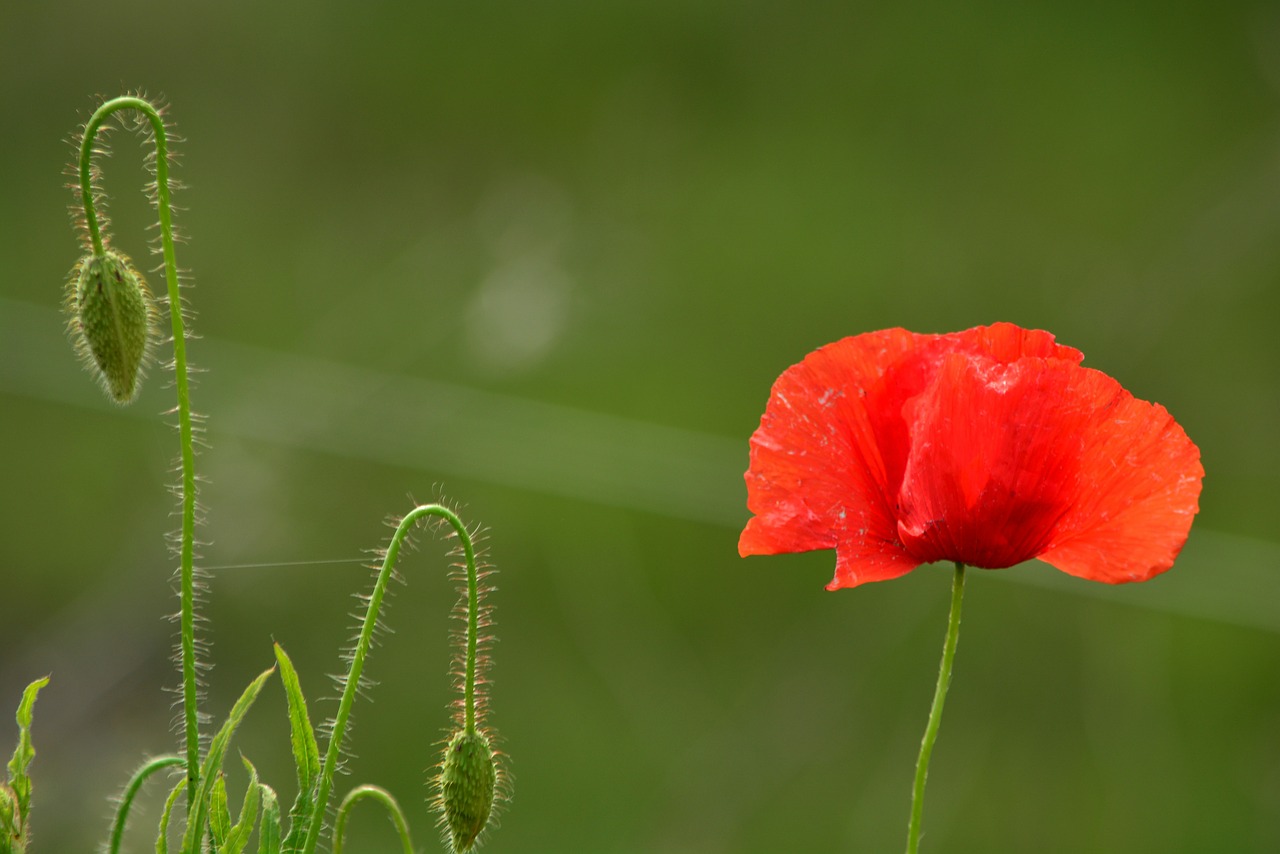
{"points": [[269, 830], [19, 782], [162, 838], [219, 813], [238, 837], [10, 829], [306, 753], [15, 796], [213, 762]]}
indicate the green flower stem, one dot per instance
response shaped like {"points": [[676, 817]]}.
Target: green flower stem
{"points": [[935, 712], [86, 177], [131, 791], [365, 639], [186, 547], [383, 797]]}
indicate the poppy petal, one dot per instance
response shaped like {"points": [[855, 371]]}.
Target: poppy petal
{"points": [[1007, 342], [994, 462], [917, 370], [1140, 477], [817, 479]]}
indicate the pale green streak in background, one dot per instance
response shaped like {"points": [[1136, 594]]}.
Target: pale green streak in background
{"points": [[440, 427]]}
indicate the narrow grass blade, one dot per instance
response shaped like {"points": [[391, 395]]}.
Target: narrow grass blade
{"points": [[269, 830], [306, 753], [219, 813], [162, 837], [19, 782], [238, 836], [213, 761]]}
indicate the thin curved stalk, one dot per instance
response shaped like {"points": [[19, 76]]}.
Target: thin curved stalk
{"points": [[935, 711], [164, 209], [383, 797], [140, 776], [365, 639]]}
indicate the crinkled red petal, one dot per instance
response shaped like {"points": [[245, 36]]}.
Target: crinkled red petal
{"points": [[917, 369], [1140, 480], [817, 479], [994, 463]]}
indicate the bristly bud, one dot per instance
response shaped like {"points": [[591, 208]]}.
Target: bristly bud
{"points": [[467, 783], [113, 318]]}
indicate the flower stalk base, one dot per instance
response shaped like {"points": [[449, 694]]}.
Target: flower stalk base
{"points": [[935, 712]]}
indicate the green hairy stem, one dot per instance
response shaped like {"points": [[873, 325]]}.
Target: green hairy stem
{"points": [[383, 797], [112, 322], [185, 432], [131, 792], [365, 639]]}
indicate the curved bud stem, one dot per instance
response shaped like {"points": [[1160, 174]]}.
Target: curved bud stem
{"points": [[365, 640], [140, 776], [164, 209], [383, 797]]}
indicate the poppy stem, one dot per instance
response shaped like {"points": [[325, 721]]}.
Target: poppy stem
{"points": [[185, 544], [935, 712]]}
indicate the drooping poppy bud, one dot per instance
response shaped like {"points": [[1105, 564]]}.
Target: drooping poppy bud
{"points": [[113, 318], [468, 780]]}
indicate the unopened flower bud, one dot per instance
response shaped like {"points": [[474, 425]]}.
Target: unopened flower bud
{"points": [[113, 315], [468, 777]]}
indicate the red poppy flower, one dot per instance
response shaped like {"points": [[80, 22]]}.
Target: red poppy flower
{"points": [[987, 447]]}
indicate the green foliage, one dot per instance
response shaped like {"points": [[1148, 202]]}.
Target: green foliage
{"points": [[162, 836], [238, 835], [209, 776], [306, 754], [15, 795], [228, 838], [12, 829], [219, 813], [269, 828], [113, 318]]}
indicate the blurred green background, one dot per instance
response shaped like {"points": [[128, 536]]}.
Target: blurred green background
{"points": [[546, 260]]}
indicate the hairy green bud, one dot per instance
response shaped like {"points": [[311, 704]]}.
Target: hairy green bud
{"points": [[113, 321], [468, 780]]}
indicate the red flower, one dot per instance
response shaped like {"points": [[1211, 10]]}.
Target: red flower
{"points": [[987, 447]]}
